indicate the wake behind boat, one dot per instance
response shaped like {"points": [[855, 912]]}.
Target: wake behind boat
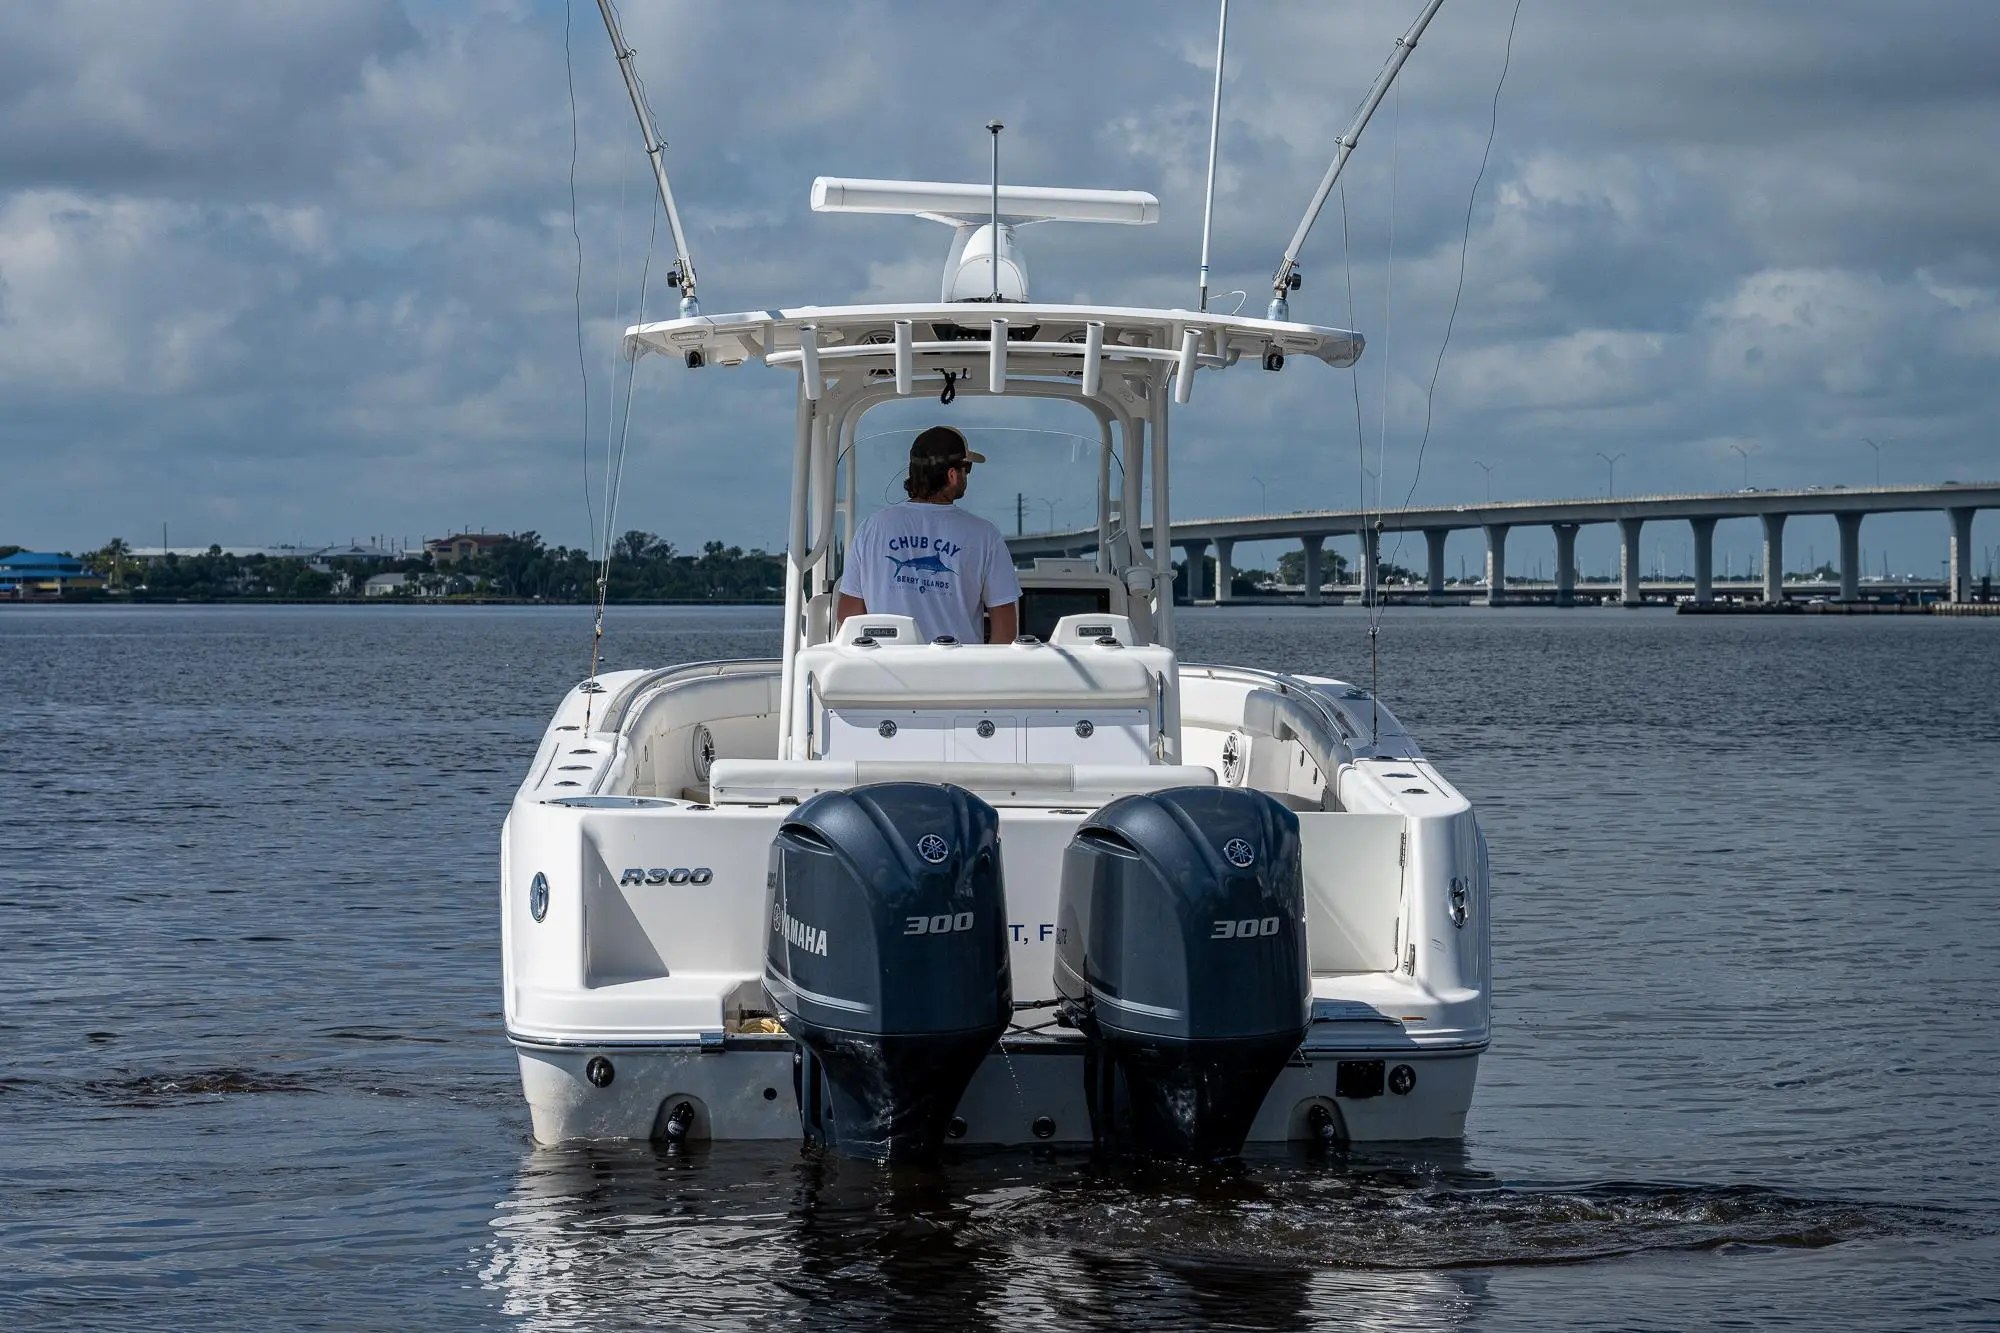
{"points": [[892, 890]]}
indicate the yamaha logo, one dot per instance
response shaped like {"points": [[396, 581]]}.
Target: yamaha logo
{"points": [[933, 848], [1239, 853]]}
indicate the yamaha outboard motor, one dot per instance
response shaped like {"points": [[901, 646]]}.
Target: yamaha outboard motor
{"points": [[1181, 955], [887, 960]]}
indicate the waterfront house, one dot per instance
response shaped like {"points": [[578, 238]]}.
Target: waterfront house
{"points": [[463, 546], [386, 585]]}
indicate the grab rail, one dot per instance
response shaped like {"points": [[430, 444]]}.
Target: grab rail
{"points": [[613, 716]]}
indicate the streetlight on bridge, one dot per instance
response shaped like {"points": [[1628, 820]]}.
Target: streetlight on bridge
{"points": [[1746, 464], [1489, 479], [1878, 459], [1611, 476], [1263, 496]]}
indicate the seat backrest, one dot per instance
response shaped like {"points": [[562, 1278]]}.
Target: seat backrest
{"points": [[819, 616], [885, 630], [1072, 631], [761, 781]]}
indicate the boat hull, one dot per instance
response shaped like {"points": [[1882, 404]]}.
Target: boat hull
{"points": [[1025, 1094]]}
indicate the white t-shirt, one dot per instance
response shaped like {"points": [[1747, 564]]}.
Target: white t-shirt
{"points": [[936, 563]]}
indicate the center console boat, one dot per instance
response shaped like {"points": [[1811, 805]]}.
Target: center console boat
{"points": [[892, 895]]}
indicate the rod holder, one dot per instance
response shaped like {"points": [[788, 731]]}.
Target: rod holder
{"points": [[1093, 357], [996, 372], [906, 356], [1184, 370], [809, 359]]}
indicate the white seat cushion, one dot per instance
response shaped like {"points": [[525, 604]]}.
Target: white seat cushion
{"points": [[990, 675], [756, 781]]}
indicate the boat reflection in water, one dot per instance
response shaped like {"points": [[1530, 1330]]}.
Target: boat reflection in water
{"points": [[747, 1234]]}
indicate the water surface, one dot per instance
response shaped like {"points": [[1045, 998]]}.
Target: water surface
{"points": [[1744, 1067]]}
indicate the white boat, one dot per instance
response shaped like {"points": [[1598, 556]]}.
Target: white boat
{"points": [[894, 894]]}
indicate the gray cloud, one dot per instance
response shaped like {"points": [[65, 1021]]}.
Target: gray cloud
{"points": [[305, 270]]}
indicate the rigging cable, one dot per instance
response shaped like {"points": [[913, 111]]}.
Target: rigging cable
{"points": [[1360, 445], [1371, 538], [617, 307], [583, 373], [1464, 246], [615, 474], [1458, 293]]}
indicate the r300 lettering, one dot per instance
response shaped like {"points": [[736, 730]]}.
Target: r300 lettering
{"points": [[1248, 928], [942, 924]]}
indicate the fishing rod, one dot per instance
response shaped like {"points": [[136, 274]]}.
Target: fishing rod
{"points": [[682, 274], [1287, 277]]}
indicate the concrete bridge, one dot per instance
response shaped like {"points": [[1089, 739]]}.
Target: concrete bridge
{"points": [[1958, 502]]}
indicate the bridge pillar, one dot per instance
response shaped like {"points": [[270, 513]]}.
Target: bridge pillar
{"points": [[1630, 590], [1435, 538], [1195, 554], [1224, 573], [1566, 562], [1850, 556], [1960, 587], [1371, 559], [1496, 564], [1312, 545], [1704, 559], [1774, 559]]}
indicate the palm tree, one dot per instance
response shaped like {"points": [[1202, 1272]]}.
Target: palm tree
{"points": [[115, 554]]}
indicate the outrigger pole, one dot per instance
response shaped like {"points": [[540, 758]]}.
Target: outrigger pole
{"points": [[1287, 278], [682, 275], [1214, 130]]}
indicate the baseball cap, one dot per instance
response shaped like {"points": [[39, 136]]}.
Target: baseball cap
{"points": [[943, 444]]}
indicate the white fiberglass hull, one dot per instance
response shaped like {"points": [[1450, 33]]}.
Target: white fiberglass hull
{"points": [[1032, 1094], [634, 920]]}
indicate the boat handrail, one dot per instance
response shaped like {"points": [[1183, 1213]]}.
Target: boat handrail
{"points": [[613, 716], [981, 350], [1291, 702]]}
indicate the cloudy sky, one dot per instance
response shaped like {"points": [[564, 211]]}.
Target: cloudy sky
{"points": [[303, 271]]}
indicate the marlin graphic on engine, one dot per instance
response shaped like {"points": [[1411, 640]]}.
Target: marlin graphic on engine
{"points": [[923, 564]]}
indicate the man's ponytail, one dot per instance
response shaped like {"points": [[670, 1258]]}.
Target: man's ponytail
{"points": [[927, 477]]}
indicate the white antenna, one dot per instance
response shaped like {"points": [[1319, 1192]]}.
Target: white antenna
{"points": [[1214, 130], [1287, 278], [994, 127], [682, 275]]}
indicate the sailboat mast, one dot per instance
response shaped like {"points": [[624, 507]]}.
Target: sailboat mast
{"points": [[683, 275]]}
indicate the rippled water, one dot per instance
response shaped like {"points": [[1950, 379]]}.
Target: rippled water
{"points": [[1745, 1066]]}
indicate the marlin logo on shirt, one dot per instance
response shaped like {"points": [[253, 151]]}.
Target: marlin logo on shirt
{"points": [[923, 564]]}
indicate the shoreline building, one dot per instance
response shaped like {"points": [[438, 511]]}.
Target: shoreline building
{"points": [[38, 575], [463, 546]]}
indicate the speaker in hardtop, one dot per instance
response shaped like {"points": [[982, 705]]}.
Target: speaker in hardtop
{"points": [[887, 960], [1181, 955]]}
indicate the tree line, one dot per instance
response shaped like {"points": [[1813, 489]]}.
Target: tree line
{"points": [[643, 567]]}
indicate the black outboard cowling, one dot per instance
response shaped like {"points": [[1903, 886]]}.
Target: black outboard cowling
{"points": [[1181, 955], [887, 960]]}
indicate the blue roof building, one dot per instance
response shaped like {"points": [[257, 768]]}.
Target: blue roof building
{"points": [[43, 573]]}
